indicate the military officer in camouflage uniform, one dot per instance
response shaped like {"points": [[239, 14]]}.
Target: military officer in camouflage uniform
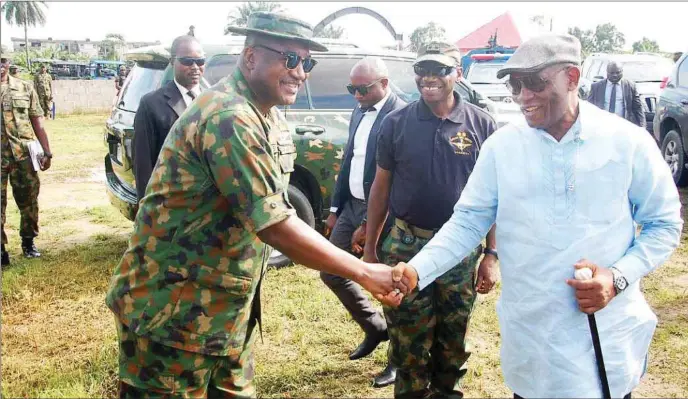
{"points": [[14, 71], [425, 154], [43, 83], [186, 294], [22, 123]]}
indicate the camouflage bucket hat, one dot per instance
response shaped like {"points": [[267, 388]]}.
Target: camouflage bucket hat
{"points": [[280, 26], [445, 53]]}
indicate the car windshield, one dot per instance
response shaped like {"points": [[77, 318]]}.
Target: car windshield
{"points": [[647, 71], [485, 74], [145, 77]]}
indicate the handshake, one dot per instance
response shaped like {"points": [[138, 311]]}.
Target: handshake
{"points": [[389, 284]]}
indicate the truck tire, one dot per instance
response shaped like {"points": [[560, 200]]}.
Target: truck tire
{"points": [[304, 211]]}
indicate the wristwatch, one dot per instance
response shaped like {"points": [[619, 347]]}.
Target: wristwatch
{"points": [[490, 251], [620, 282], [48, 155]]}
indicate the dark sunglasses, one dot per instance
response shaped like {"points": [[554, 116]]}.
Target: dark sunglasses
{"points": [[433, 70], [532, 82], [293, 59], [361, 89], [188, 61]]}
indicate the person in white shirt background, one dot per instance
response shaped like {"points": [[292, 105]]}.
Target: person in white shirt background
{"points": [[567, 187]]}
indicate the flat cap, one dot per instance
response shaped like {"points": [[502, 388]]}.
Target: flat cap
{"points": [[542, 51], [445, 53]]}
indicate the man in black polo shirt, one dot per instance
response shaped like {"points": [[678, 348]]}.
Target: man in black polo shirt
{"points": [[425, 153]]}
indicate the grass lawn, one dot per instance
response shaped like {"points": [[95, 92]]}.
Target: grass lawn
{"points": [[58, 338]]}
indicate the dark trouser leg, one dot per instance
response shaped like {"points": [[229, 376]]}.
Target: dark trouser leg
{"points": [[454, 300], [25, 188], [351, 294]]}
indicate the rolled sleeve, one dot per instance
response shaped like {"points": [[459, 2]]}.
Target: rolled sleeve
{"points": [[657, 208], [241, 164]]}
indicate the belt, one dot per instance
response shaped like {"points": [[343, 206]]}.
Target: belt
{"points": [[416, 231]]}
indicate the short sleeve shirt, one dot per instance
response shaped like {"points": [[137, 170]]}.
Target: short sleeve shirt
{"points": [[190, 273], [430, 158]]}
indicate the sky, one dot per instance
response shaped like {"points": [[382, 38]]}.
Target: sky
{"points": [[151, 21]]}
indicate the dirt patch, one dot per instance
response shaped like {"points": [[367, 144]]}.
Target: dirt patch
{"points": [[682, 281], [653, 387]]}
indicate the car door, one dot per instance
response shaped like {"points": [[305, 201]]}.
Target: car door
{"points": [[679, 100]]}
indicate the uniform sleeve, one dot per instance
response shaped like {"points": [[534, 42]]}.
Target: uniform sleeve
{"points": [[241, 166], [34, 105], [385, 143]]}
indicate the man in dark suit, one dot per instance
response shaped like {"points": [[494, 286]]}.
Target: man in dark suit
{"points": [[159, 109], [370, 86], [618, 96]]}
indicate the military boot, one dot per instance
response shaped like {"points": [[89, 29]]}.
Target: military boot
{"points": [[29, 248], [5, 257]]}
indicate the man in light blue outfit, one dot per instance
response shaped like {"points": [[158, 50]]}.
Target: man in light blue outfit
{"points": [[566, 186]]}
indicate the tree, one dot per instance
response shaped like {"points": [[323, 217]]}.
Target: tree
{"points": [[646, 45], [540, 20], [587, 39], [330, 32], [239, 16], [426, 34], [108, 49], [25, 13], [608, 39]]}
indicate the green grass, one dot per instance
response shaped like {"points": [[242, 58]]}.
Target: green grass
{"points": [[58, 338]]}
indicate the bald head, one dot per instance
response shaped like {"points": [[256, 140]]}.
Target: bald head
{"points": [[614, 72], [369, 81], [371, 67]]}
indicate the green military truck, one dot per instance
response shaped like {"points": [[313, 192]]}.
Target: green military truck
{"points": [[319, 119]]}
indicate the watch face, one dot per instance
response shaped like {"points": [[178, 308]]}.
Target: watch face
{"points": [[620, 283]]}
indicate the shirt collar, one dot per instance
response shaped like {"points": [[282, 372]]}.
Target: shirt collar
{"points": [[457, 114], [185, 91], [239, 84]]}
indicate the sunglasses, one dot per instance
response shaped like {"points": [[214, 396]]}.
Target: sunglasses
{"points": [[433, 70], [292, 59], [361, 89], [532, 82], [188, 61]]}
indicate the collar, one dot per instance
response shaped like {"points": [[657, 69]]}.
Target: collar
{"points": [[185, 91], [457, 114], [239, 84], [580, 130]]}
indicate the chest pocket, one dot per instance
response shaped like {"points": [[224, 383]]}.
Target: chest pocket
{"points": [[20, 110], [286, 152]]}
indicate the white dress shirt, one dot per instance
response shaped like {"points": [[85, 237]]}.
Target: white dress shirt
{"points": [[185, 92], [619, 108], [360, 145], [555, 203]]}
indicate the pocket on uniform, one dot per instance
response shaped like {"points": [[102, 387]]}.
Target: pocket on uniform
{"points": [[286, 154]]}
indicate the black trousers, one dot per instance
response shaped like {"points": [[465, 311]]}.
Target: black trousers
{"points": [[520, 397]]}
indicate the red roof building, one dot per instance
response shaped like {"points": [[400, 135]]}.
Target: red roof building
{"points": [[503, 25]]}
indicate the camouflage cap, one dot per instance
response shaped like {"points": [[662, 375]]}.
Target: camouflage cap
{"points": [[279, 26], [445, 53]]}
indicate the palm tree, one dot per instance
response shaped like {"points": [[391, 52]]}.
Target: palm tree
{"points": [[239, 16], [25, 13]]}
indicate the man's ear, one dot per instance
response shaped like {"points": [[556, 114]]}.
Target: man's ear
{"points": [[573, 74], [385, 83], [249, 58], [459, 74]]}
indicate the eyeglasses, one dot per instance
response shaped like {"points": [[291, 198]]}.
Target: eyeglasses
{"points": [[361, 89], [433, 70], [188, 61], [532, 82], [293, 59]]}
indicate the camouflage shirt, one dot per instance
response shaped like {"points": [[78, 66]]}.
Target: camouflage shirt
{"points": [[43, 83], [19, 103], [190, 273]]}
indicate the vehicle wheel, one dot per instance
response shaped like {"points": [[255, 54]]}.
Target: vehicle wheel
{"points": [[672, 150], [305, 212]]}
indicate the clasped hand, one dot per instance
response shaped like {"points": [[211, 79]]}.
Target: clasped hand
{"points": [[389, 285]]}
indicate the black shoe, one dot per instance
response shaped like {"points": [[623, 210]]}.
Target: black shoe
{"points": [[386, 377], [5, 258], [368, 345], [29, 248]]}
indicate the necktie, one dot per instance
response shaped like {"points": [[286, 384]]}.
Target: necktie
{"points": [[191, 94], [612, 99]]}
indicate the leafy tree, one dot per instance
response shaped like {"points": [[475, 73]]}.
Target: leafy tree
{"points": [[330, 32], [108, 47], [239, 16], [646, 45], [608, 39], [426, 34], [25, 13], [587, 39]]}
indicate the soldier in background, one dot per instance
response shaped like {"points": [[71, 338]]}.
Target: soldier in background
{"points": [[22, 122], [43, 83], [14, 71]]}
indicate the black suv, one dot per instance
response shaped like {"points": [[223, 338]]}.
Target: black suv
{"points": [[319, 119], [671, 121]]}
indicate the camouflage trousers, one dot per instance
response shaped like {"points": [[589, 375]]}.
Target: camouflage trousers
{"points": [[148, 369], [46, 105], [428, 330], [25, 187]]}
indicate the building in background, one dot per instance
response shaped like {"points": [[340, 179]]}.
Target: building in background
{"points": [[87, 47]]}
